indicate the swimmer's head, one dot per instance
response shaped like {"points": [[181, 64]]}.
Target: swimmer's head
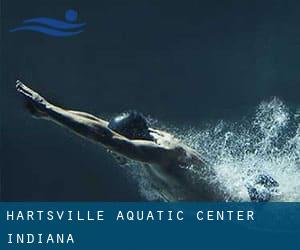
{"points": [[132, 125]]}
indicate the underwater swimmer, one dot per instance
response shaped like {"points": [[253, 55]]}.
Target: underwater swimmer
{"points": [[129, 135]]}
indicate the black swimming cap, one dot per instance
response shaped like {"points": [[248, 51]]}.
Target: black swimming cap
{"points": [[132, 125]]}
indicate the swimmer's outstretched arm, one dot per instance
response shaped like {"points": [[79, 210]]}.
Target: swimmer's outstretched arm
{"points": [[95, 129]]}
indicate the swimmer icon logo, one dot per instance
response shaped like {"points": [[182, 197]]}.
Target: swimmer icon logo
{"points": [[53, 27]]}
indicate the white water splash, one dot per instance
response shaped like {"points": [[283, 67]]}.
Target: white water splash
{"points": [[268, 142]]}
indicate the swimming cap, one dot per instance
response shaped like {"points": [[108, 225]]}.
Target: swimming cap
{"points": [[132, 125]]}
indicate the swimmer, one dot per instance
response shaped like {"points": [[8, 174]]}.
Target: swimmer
{"points": [[129, 136]]}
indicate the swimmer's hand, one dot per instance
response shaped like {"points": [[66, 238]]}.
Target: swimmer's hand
{"points": [[35, 103]]}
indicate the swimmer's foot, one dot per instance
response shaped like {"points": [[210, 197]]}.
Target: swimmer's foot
{"points": [[34, 103], [263, 188]]}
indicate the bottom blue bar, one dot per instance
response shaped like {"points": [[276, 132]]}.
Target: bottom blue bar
{"points": [[119, 225]]}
